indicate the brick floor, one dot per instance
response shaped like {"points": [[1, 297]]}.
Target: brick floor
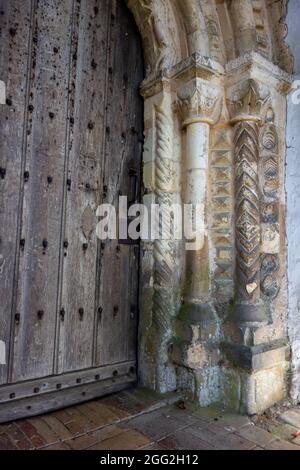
{"points": [[138, 419]]}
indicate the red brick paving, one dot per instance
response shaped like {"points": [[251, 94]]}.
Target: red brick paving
{"points": [[137, 419]]}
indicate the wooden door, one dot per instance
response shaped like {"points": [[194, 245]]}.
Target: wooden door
{"points": [[70, 133]]}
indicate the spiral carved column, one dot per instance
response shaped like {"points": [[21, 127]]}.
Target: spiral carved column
{"points": [[164, 261]]}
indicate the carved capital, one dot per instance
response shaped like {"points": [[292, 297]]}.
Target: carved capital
{"points": [[246, 101], [199, 102]]}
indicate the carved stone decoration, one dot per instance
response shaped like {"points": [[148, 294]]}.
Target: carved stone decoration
{"points": [[174, 29], [269, 212], [214, 32], [271, 177], [249, 105], [269, 264], [199, 101], [262, 28], [269, 141], [269, 269], [245, 109], [221, 200], [282, 55], [247, 210], [270, 157], [270, 286], [270, 138], [158, 30], [164, 261], [194, 23]]}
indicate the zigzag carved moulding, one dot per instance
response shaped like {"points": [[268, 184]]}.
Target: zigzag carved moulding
{"points": [[247, 210]]}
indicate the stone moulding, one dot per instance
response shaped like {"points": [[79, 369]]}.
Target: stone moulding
{"points": [[270, 264], [221, 217], [200, 83], [163, 251], [245, 111], [247, 210], [218, 30]]}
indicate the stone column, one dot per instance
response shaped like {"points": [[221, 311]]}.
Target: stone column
{"points": [[255, 342], [159, 263], [245, 113], [163, 249], [197, 279], [199, 105]]}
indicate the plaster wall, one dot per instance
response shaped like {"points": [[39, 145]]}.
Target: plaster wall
{"points": [[293, 199]]}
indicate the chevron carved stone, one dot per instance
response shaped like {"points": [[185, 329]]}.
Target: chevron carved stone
{"points": [[247, 210], [245, 112]]}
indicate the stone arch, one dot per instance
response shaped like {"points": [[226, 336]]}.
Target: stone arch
{"points": [[172, 30]]}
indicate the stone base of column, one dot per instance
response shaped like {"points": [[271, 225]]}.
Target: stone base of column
{"points": [[255, 377], [195, 352], [250, 313], [236, 373], [244, 392], [194, 325]]}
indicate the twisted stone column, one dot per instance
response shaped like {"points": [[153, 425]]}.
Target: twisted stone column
{"points": [[163, 251], [163, 256]]}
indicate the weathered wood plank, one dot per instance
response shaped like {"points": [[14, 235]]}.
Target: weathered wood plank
{"points": [[118, 294], [62, 398], [132, 335], [15, 20], [42, 206], [9, 393], [82, 199]]}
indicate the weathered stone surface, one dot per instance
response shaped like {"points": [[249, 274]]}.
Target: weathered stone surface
{"points": [[184, 440], [291, 417], [221, 439], [270, 238], [282, 445], [256, 435], [256, 357], [147, 424], [129, 440], [293, 198], [263, 388]]}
